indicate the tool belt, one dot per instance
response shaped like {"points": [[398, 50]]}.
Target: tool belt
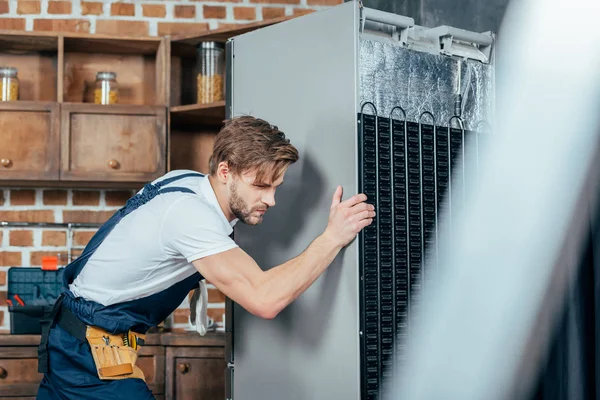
{"points": [[115, 355]]}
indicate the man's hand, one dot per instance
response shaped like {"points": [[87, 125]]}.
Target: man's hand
{"points": [[347, 218], [266, 293]]}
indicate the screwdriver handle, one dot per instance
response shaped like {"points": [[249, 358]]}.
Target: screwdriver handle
{"points": [[19, 300]]}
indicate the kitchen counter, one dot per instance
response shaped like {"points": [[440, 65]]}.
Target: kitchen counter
{"points": [[153, 339], [177, 365]]}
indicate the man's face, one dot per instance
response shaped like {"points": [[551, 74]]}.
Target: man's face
{"points": [[249, 200]]}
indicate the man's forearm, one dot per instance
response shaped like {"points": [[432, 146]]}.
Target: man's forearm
{"points": [[284, 283]]}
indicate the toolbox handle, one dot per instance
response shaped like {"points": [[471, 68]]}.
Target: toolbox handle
{"points": [[50, 263]]}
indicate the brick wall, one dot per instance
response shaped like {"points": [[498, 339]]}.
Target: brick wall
{"points": [[146, 17]]}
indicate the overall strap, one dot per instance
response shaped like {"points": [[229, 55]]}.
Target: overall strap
{"points": [[149, 192], [177, 177], [74, 268]]}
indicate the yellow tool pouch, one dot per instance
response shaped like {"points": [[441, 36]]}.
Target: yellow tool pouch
{"points": [[115, 355]]}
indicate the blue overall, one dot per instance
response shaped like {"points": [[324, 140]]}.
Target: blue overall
{"points": [[67, 363]]}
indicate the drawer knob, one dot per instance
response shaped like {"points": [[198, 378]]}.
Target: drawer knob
{"points": [[6, 162], [183, 368], [2, 373], [114, 164]]}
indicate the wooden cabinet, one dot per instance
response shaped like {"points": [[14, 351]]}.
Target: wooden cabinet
{"points": [[56, 136], [176, 366], [196, 373], [151, 360], [18, 371], [55, 133], [29, 137], [112, 143]]}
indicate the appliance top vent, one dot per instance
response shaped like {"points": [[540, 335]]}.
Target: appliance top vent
{"points": [[444, 40]]}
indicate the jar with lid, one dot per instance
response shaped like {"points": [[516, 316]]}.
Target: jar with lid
{"points": [[9, 84], [210, 72], [105, 91]]}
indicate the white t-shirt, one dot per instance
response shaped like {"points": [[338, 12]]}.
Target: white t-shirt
{"points": [[152, 248]]}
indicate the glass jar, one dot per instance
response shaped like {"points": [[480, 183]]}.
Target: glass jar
{"points": [[211, 72], [9, 84], [105, 91]]}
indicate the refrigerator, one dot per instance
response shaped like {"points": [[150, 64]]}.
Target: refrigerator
{"points": [[381, 106]]}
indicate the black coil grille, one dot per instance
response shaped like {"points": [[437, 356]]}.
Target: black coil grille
{"points": [[401, 260], [386, 254], [370, 261], [415, 209], [408, 171]]}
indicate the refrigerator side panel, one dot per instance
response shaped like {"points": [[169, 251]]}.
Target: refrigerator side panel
{"points": [[301, 76]]}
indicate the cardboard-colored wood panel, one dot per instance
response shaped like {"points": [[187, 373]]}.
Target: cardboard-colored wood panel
{"points": [[195, 373], [30, 142], [162, 72], [194, 115], [111, 45], [36, 71], [192, 150], [112, 143], [19, 376], [151, 360], [183, 79], [131, 142], [27, 41], [136, 77]]}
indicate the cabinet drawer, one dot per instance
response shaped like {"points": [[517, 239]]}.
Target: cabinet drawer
{"points": [[151, 360], [195, 373], [18, 371], [30, 141], [112, 143]]}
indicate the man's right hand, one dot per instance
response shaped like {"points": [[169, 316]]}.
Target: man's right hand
{"points": [[347, 218], [266, 293]]}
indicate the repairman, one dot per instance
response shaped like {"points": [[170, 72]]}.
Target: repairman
{"points": [[175, 232]]}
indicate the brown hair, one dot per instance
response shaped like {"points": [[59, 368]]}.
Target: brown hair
{"points": [[248, 143]]}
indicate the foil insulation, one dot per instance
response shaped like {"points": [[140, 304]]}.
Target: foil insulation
{"points": [[391, 76]]}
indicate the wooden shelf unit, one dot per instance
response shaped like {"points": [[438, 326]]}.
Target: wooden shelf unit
{"points": [[58, 138], [193, 127], [57, 135]]}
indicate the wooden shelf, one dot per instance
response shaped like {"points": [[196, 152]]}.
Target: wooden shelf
{"points": [[194, 115], [140, 65], [223, 34], [132, 109], [25, 41], [106, 45], [36, 61]]}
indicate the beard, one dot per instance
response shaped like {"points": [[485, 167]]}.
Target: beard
{"points": [[240, 209]]}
